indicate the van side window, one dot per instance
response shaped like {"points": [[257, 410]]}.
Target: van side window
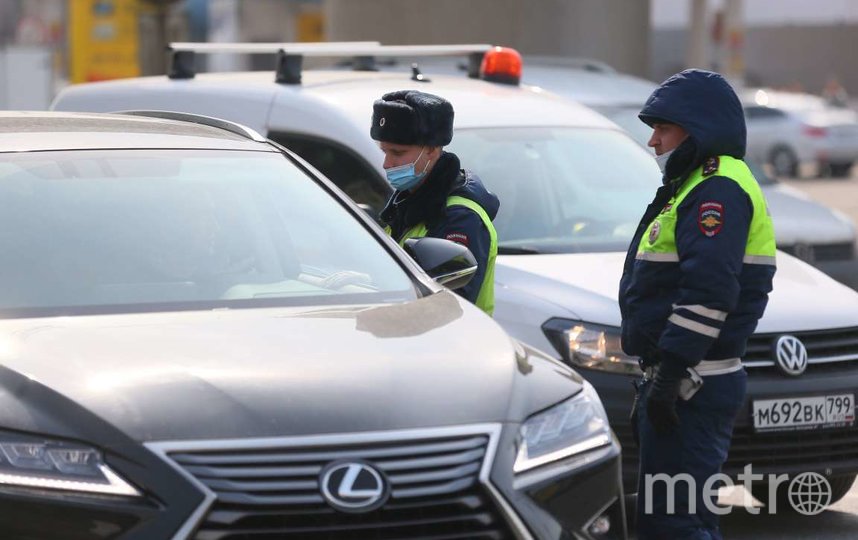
{"points": [[342, 166]]}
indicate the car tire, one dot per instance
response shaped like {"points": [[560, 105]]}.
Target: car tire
{"points": [[784, 161], [840, 170], [840, 486]]}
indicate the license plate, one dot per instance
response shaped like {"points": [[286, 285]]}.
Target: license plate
{"points": [[804, 413]]}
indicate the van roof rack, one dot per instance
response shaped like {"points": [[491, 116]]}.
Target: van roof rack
{"points": [[290, 55]]}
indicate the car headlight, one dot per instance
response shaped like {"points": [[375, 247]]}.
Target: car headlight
{"points": [[34, 462], [570, 428], [590, 346]]}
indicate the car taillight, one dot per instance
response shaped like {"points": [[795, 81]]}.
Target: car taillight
{"points": [[501, 64], [815, 131]]}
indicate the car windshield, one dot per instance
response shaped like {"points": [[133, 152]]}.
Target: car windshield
{"points": [[143, 230], [561, 190]]}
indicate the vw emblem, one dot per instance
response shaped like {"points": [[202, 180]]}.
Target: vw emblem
{"points": [[353, 486], [791, 355]]}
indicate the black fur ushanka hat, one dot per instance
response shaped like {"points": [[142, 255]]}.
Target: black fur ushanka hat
{"points": [[412, 117]]}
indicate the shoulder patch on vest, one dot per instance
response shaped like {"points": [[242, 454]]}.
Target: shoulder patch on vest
{"points": [[711, 165], [459, 238], [710, 218]]}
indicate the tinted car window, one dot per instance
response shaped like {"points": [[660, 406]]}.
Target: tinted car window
{"points": [[562, 189], [759, 113], [342, 166], [179, 229]]}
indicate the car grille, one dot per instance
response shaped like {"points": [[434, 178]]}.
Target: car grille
{"points": [[812, 253], [826, 349], [776, 452], [268, 493], [789, 450]]}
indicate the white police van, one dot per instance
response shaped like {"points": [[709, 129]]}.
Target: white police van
{"points": [[572, 187]]}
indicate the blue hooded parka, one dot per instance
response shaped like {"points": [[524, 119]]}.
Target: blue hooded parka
{"points": [[705, 303]]}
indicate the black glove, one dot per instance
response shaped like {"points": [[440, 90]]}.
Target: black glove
{"points": [[663, 393]]}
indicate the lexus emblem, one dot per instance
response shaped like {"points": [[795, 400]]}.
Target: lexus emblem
{"points": [[791, 355], [353, 486]]}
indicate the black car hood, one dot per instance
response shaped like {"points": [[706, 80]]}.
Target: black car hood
{"points": [[274, 372]]}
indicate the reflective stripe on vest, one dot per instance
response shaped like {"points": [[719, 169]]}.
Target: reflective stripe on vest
{"points": [[658, 243], [486, 296]]}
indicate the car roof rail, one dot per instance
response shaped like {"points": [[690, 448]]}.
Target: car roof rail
{"points": [[290, 55], [210, 121]]}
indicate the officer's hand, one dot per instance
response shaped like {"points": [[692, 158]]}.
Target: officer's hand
{"points": [[662, 396]]}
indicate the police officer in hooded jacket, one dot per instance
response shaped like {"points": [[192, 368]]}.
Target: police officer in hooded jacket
{"points": [[695, 282], [433, 195]]}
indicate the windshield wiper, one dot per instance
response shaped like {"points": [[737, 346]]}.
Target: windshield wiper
{"points": [[517, 250]]}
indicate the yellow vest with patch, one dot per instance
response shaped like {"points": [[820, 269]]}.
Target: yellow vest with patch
{"points": [[658, 243], [486, 296]]}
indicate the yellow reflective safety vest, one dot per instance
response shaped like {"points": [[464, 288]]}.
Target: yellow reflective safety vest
{"points": [[658, 243], [486, 297]]}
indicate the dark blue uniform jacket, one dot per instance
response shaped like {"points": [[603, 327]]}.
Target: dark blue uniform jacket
{"points": [[428, 204], [710, 280]]}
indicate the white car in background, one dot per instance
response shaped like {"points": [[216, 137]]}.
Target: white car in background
{"points": [[805, 228], [788, 130], [565, 221]]}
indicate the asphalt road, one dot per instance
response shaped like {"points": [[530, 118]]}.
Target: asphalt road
{"points": [[840, 521]]}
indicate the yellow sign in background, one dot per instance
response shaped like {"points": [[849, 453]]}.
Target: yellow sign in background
{"points": [[310, 25], [103, 40]]}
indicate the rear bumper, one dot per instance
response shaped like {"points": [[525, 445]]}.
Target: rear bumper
{"points": [[830, 152]]}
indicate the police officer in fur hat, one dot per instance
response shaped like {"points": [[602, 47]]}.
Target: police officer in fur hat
{"points": [[433, 195]]}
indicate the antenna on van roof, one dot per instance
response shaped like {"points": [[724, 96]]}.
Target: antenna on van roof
{"points": [[290, 55]]}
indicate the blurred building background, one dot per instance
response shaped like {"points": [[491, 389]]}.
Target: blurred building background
{"points": [[798, 44], [45, 44]]}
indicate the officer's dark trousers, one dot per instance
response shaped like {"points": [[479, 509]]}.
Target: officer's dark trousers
{"points": [[698, 448]]}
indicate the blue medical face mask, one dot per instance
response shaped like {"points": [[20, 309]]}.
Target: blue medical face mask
{"points": [[403, 177]]}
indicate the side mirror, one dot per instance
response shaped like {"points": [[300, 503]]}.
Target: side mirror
{"points": [[446, 262]]}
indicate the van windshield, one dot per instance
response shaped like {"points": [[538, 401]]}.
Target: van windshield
{"points": [[561, 190]]}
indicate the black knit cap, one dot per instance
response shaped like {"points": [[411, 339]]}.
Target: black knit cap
{"points": [[412, 117]]}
